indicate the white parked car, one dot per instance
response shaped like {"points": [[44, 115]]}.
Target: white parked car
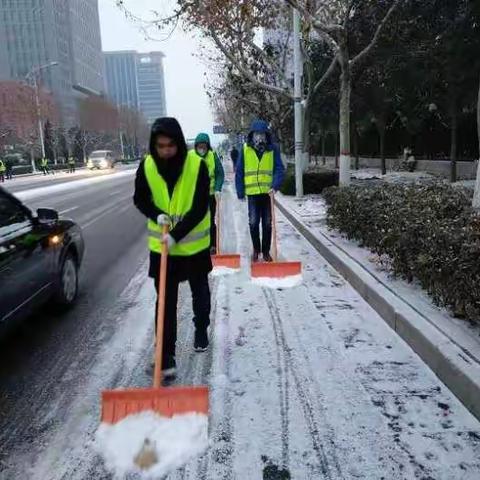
{"points": [[101, 159]]}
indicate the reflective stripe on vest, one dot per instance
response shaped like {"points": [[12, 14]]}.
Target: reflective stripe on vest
{"points": [[177, 207], [258, 173]]}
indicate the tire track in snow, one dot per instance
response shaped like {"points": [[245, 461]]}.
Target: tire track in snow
{"points": [[306, 404]]}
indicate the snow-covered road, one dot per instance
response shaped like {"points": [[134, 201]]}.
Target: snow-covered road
{"points": [[306, 383]]}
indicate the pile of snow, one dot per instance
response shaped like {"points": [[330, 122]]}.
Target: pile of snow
{"points": [[222, 271], [276, 283], [173, 442]]}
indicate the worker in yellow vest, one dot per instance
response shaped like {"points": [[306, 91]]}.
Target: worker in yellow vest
{"points": [[259, 173], [216, 173], [71, 164], [3, 169], [172, 187], [44, 166]]}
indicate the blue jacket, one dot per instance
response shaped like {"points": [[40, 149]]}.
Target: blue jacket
{"points": [[260, 126]]}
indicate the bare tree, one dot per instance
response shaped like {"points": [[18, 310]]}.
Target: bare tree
{"points": [[332, 19]]}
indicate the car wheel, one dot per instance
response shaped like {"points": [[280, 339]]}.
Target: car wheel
{"points": [[67, 290]]}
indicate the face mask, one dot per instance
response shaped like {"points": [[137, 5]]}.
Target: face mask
{"points": [[259, 139], [202, 151]]}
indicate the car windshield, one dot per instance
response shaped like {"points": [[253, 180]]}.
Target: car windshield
{"points": [[98, 155]]}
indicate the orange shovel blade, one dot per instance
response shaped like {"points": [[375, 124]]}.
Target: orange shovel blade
{"points": [[228, 261], [276, 269], [166, 401]]}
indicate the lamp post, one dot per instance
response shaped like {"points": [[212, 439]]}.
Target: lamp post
{"points": [[33, 74]]}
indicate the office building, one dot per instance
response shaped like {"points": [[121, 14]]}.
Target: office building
{"points": [[137, 80], [36, 33]]}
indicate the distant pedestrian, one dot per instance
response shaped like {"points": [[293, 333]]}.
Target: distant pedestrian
{"points": [[260, 173], [216, 173], [172, 189], [234, 157], [3, 169], [9, 167], [44, 166], [71, 164]]}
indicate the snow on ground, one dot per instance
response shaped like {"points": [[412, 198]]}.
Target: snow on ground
{"points": [[392, 177], [62, 187], [222, 271], [278, 283], [312, 211], [172, 442], [305, 383]]}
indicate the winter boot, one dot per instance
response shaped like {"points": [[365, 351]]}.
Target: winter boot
{"points": [[267, 258], [169, 368], [255, 257], [201, 340]]}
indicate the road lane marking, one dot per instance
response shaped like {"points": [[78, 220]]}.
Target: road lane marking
{"points": [[63, 212], [115, 208]]}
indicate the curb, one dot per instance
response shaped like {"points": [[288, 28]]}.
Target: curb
{"points": [[457, 368]]}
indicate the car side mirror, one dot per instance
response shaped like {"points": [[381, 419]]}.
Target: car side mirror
{"points": [[47, 215]]}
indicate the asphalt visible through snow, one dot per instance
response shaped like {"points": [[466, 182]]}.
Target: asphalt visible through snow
{"points": [[305, 383]]}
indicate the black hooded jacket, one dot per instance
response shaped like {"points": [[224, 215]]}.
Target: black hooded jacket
{"points": [[170, 170]]}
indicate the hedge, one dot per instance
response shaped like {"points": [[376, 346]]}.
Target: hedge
{"points": [[429, 233], [313, 182]]}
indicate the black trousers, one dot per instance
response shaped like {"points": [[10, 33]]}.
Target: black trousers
{"points": [[213, 225], [201, 308], [259, 210]]}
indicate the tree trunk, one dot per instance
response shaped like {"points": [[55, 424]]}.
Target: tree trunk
{"points": [[476, 195], [453, 142], [345, 93], [355, 148], [336, 149], [382, 133], [324, 141], [306, 137]]}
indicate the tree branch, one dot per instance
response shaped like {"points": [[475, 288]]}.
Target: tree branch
{"points": [[326, 75], [245, 72], [366, 51]]}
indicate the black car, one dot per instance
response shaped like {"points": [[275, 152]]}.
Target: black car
{"points": [[40, 257]]}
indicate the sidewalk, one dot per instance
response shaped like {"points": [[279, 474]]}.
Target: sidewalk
{"points": [[450, 346]]}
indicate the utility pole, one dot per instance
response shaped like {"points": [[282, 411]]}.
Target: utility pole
{"points": [[39, 120], [121, 145], [298, 70], [33, 73]]}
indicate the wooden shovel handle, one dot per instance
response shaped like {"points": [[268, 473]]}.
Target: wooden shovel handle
{"points": [[157, 373], [217, 221], [274, 228]]}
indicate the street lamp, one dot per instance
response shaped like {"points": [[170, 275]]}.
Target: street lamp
{"points": [[33, 74]]}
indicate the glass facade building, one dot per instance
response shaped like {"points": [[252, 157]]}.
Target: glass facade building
{"points": [[37, 32], [137, 80]]}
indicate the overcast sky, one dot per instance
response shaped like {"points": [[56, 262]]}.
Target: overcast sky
{"points": [[186, 98]]}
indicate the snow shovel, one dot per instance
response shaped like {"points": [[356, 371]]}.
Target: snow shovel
{"points": [[167, 401], [219, 260], [275, 269]]}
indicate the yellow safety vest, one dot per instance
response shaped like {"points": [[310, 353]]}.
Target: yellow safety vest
{"points": [[177, 207], [258, 172], [44, 162], [3, 168], [209, 160], [71, 161]]}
